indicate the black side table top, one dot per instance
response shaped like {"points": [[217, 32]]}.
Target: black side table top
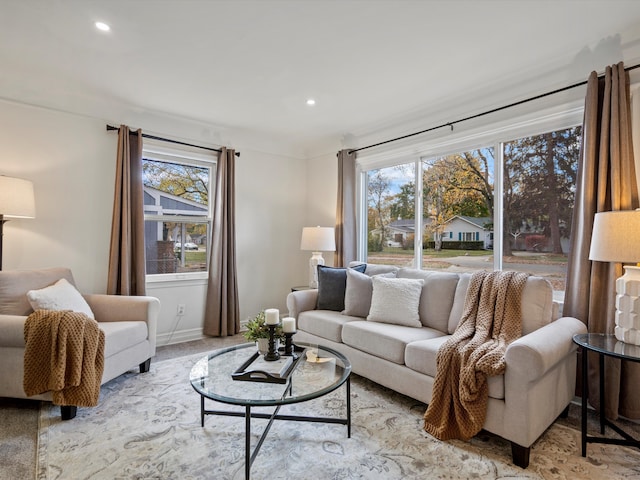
{"points": [[609, 345]]}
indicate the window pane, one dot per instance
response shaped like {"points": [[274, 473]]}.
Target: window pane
{"points": [[458, 211], [539, 188], [168, 253], [182, 184], [391, 215], [176, 207]]}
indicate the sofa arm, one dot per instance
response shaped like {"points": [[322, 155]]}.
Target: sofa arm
{"points": [[532, 355], [301, 301]]}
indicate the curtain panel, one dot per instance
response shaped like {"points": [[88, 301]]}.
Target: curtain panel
{"points": [[346, 237], [606, 182], [222, 312], [126, 274]]}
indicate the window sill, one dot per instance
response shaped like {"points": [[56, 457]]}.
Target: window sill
{"points": [[176, 277]]}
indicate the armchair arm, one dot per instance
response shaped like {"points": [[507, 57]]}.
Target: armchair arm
{"points": [[12, 331], [301, 301], [532, 355], [119, 308]]}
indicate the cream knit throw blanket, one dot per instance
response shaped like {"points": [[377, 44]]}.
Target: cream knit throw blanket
{"points": [[64, 354], [491, 320]]}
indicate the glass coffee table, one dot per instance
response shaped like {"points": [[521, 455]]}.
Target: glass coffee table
{"points": [[319, 371]]}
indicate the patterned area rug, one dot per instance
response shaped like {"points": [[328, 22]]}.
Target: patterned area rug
{"points": [[147, 426]]}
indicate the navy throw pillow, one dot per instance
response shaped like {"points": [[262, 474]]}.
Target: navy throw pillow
{"points": [[332, 283]]}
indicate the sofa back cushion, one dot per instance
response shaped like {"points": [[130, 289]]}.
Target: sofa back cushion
{"points": [[376, 269], [537, 303], [14, 285], [437, 296]]}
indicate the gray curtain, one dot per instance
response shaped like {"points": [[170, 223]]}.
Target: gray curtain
{"points": [[606, 182], [346, 246], [126, 275], [222, 315]]}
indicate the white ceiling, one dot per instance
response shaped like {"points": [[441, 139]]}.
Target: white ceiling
{"points": [[251, 65]]}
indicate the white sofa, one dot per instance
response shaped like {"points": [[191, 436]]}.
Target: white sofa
{"points": [[539, 381], [129, 324]]}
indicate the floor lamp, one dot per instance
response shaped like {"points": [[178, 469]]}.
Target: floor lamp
{"points": [[317, 240], [616, 238], [16, 201]]}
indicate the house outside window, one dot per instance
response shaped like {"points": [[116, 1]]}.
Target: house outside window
{"points": [[177, 211], [504, 204]]}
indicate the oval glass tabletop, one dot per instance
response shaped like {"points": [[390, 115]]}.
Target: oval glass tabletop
{"points": [[319, 371]]}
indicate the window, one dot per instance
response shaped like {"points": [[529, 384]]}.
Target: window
{"points": [[520, 192], [177, 210], [390, 215]]}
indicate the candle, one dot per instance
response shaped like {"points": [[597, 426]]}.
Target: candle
{"points": [[289, 325], [272, 316]]}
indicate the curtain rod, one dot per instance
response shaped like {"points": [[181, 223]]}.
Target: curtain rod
{"points": [[168, 140], [514, 104]]}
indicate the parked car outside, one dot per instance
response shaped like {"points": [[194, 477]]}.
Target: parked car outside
{"points": [[187, 246]]}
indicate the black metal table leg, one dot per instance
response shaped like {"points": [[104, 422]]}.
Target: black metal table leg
{"points": [[247, 442], [584, 401], [601, 364], [349, 407]]}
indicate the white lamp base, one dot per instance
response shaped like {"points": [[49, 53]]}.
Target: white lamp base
{"points": [[315, 260], [628, 306]]}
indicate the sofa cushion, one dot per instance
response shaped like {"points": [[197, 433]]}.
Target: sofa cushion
{"points": [[537, 303], [332, 283], [357, 295], [324, 323], [437, 296], [384, 340], [14, 285], [396, 300], [421, 356], [121, 335], [376, 269], [59, 296]]}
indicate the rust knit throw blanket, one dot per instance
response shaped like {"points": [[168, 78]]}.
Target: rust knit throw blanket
{"points": [[64, 354], [491, 320]]}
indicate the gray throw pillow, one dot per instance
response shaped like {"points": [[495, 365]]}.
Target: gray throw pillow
{"points": [[357, 296], [332, 283]]}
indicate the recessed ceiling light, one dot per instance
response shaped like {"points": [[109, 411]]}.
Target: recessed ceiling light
{"points": [[311, 101], [102, 26]]}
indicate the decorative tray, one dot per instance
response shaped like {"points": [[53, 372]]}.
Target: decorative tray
{"points": [[257, 369]]}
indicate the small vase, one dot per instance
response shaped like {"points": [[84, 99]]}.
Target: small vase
{"points": [[263, 345]]}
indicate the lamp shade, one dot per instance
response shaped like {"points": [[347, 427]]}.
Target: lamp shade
{"points": [[16, 198], [616, 237], [318, 239]]}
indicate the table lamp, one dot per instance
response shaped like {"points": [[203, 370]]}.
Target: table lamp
{"points": [[317, 239], [16, 201], [616, 238]]}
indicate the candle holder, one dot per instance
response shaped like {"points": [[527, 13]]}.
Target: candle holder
{"points": [[272, 355], [288, 343]]}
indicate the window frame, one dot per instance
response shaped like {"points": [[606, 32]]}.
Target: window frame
{"points": [[493, 135], [188, 157]]}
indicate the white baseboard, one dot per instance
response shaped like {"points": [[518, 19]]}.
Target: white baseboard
{"points": [[179, 336]]}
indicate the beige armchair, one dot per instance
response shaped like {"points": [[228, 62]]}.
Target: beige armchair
{"points": [[129, 324]]}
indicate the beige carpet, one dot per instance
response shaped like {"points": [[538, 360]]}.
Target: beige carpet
{"points": [[148, 427]]}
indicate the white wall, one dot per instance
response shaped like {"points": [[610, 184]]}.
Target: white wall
{"points": [[322, 188], [71, 161]]}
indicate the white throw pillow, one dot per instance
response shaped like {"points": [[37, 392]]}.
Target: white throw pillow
{"points": [[59, 296], [396, 300]]}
